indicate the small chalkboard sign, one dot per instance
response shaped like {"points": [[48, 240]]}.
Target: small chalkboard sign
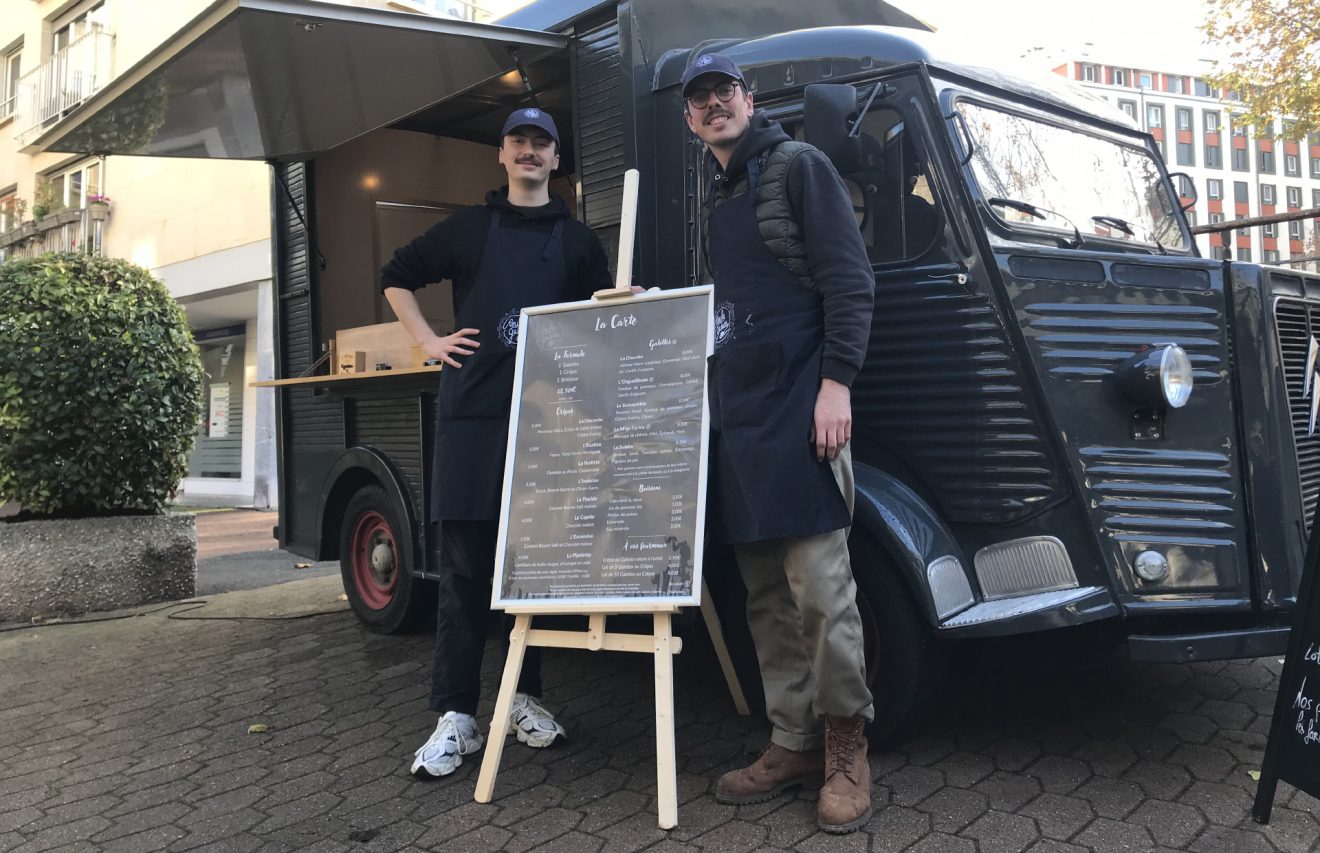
{"points": [[1293, 750], [605, 479]]}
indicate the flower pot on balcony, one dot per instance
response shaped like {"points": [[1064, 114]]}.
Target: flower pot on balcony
{"points": [[98, 212]]}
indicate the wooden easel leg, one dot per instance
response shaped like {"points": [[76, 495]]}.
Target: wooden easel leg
{"points": [[499, 724], [666, 758], [716, 632]]}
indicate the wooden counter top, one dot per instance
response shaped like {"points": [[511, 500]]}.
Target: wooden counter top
{"points": [[343, 377]]}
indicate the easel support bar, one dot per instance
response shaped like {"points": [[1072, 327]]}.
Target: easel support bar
{"points": [[643, 643]]}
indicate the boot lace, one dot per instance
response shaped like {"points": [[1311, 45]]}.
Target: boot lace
{"points": [[841, 744]]}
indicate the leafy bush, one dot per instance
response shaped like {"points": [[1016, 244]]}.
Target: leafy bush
{"points": [[100, 387]]}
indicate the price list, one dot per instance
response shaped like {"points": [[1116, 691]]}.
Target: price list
{"points": [[604, 486]]}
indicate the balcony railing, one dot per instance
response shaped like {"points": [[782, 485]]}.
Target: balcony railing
{"points": [[69, 77], [69, 230]]}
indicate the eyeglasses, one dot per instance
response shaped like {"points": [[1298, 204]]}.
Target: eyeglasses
{"points": [[700, 98]]}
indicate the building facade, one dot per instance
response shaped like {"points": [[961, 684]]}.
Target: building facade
{"points": [[1233, 170]]}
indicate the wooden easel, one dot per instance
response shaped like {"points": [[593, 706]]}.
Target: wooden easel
{"points": [[660, 643]]}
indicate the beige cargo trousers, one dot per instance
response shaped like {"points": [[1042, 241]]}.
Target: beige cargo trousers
{"points": [[802, 611]]}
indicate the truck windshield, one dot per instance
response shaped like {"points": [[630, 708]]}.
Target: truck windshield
{"points": [[1071, 178]]}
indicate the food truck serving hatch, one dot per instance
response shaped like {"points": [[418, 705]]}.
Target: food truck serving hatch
{"points": [[285, 79]]}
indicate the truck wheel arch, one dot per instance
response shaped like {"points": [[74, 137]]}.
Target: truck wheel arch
{"points": [[355, 468], [900, 522]]}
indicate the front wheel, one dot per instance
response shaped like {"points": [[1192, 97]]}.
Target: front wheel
{"points": [[905, 662], [377, 578]]}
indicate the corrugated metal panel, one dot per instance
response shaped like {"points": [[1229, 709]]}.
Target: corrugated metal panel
{"points": [[394, 427], [600, 122], [1298, 323]]}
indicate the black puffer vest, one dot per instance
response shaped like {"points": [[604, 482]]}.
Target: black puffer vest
{"points": [[774, 215]]}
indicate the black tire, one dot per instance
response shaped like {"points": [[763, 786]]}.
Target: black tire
{"points": [[377, 579], [906, 665]]}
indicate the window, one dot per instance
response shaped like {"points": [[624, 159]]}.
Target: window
{"points": [[72, 186], [1294, 197], [1191, 218], [1186, 154], [1144, 81], [1315, 198], [1295, 230], [1154, 116], [1244, 254], [1202, 88], [1177, 85], [1267, 193], [1213, 158], [1239, 128], [1289, 131], [1270, 229], [1216, 218], [1265, 162], [11, 215], [1184, 118], [1214, 188], [1129, 107], [1291, 165], [88, 18], [1270, 256], [1240, 192], [1315, 167], [1088, 72], [1186, 188], [1241, 162], [9, 74], [1211, 120], [1266, 131], [1119, 76]]}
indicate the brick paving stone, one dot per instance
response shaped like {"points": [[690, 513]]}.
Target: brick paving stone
{"points": [[962, 770], [910, 785], [635, 833], [1008, 791], [939, 842], [1203, 762], [145, 820], [1059, 816], [1012, 754], [215, 828], [1190, 728], [1111, 836], [295, 811], [1113, 798], [790, 823], [1050, 845], [1220, 839], [62, 836], [823, 842], [1290, 831], [1106, 757], [894, 828], [572, 842], [1173, 824], [546, 826], [951, 809], [733, 836], [1159, 780], [1221, 804], [1001, 832], [157, 838], [1059, 775]]}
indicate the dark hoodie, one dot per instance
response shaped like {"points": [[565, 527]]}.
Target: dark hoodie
{"points": [[452, 249], [836, 254]]}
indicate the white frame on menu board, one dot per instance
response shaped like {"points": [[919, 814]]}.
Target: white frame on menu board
{"points": [[605, 604]]}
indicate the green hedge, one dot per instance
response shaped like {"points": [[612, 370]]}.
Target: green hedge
{"points": [[100, 387]]}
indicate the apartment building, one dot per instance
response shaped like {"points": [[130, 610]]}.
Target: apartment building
{"points": [[1233, 170]]}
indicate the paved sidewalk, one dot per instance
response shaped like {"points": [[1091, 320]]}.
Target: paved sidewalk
{"points": [[236, 549], [133, 735]]}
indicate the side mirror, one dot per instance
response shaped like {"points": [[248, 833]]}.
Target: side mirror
{"points": [[827, 109], [1186, 182]]}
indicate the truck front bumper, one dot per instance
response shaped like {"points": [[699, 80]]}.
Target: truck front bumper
{"points": [[1214, 645]]}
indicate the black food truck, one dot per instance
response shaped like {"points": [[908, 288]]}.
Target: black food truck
{"points": [[1066, 414]]}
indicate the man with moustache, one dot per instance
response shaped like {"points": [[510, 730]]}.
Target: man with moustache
{"points": [[520, 248], [794, 293]]}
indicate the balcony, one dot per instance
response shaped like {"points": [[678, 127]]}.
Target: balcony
{"points": [[60, 84], [78, 229]]}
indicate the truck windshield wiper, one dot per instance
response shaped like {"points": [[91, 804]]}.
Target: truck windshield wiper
{"points": [[1126, 227], [1036, 212]]}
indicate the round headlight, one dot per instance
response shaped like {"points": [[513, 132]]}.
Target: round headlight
{"points": [[1175, 376]]}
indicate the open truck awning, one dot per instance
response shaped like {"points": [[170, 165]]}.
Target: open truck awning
{"points": [[284, 79]]}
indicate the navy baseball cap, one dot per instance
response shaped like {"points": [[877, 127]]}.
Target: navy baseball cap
{"points": [[711, 63], [531, 117]]}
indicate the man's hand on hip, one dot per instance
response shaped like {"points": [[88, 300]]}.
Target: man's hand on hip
{"points": [[832, 428], [444, 348]]}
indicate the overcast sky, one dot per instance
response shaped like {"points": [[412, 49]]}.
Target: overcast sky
{"points": [[1135, 32]]}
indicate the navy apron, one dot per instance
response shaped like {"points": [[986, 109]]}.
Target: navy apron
{"points": [[764, 379], [519, 268]]}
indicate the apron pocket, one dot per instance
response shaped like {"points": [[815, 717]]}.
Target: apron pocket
{"points": [[747, 380], [480, 389]]}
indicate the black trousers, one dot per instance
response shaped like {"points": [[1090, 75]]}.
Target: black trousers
{"points": [[467, 562]]}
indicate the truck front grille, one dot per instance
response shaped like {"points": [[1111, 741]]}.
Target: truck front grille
{"points": [[1298, 323]]}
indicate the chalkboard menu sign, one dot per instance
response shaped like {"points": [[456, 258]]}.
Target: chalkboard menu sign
{"points": [[1293, 751], [605, 480]]}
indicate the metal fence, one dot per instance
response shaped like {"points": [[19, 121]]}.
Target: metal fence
{"points": [[62, 82]]}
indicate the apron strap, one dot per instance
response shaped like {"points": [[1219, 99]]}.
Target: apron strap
{"points": [[556, 235]]}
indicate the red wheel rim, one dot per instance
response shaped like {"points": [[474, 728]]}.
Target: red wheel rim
{"points": [[375, 560], [870, 634]]}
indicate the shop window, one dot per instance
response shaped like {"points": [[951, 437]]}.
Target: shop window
{"points": [[219, 449]]}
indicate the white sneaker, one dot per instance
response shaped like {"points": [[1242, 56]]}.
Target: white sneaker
{"points": [[455, 736], [533, 724]]}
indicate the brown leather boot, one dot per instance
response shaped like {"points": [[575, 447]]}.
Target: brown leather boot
{"points": [[845, 799], [774, 771]]}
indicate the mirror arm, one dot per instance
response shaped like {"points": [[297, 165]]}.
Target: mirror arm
{"points": [[856, 129]]}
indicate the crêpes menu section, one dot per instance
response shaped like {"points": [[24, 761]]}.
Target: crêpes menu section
{"points": [[606, 466]]}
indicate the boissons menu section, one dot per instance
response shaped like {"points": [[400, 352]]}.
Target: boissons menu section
{"points": [[605, 471]]}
